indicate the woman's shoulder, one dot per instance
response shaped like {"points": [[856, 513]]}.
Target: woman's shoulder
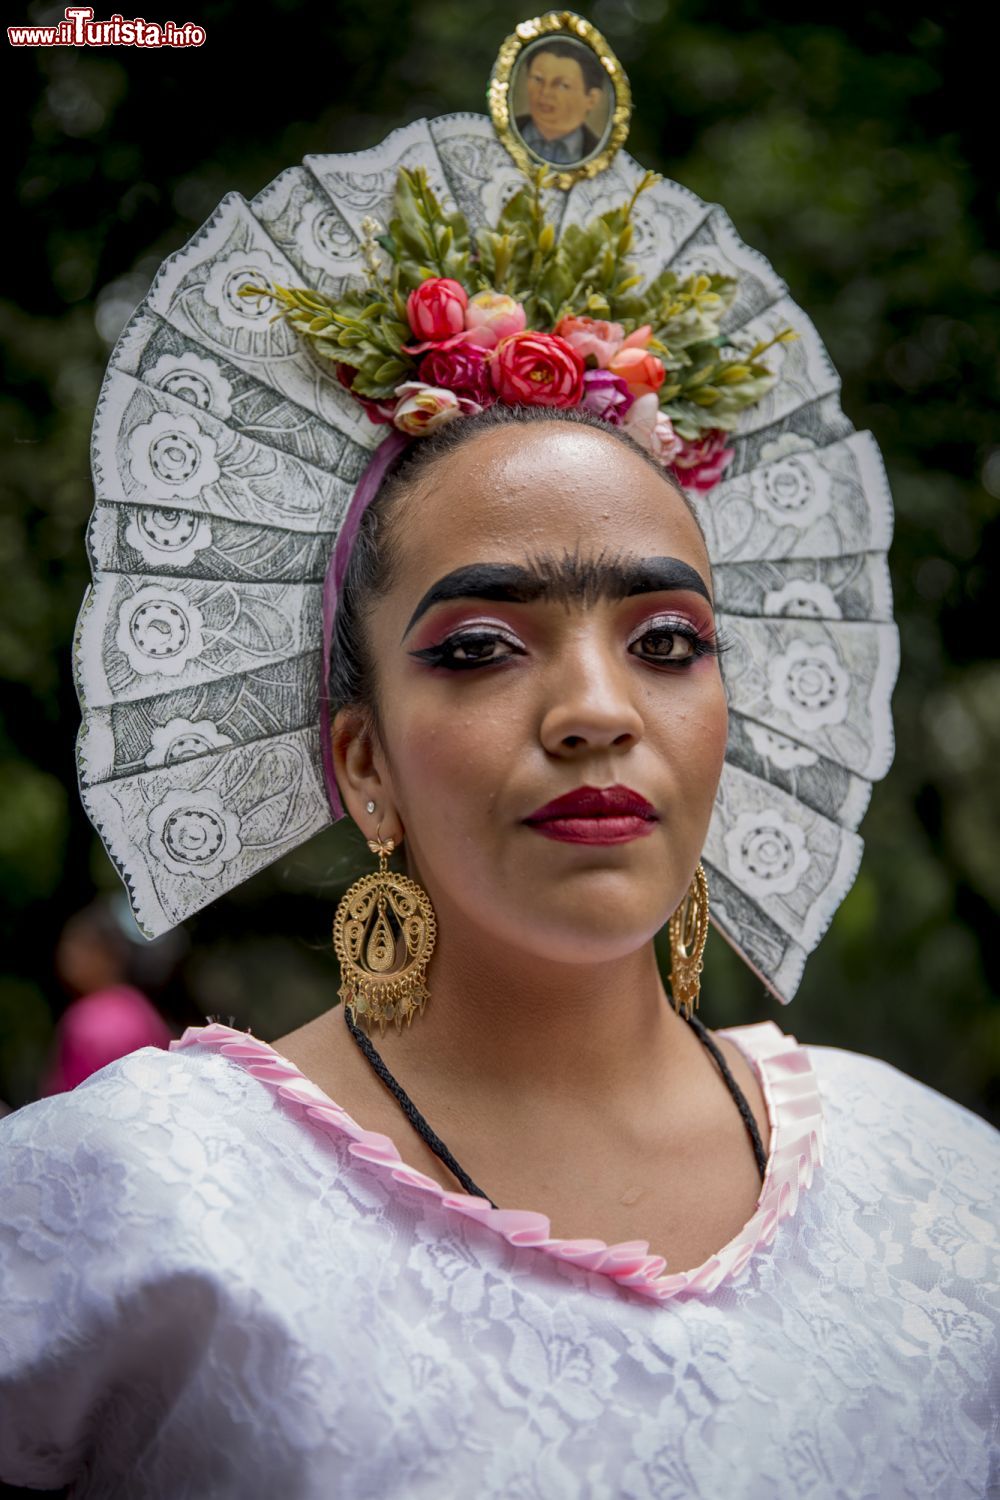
{"points": [[861, 1085], [876, 1117], [856, 1081], [134, 1107], [148, 1165], [907, 1151], [130, 1227]]}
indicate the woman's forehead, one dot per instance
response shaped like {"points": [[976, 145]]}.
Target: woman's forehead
{"points": [[549, 490]]}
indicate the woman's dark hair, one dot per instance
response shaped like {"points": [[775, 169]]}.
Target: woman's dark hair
{"points": [[373, 561], [594, 76]]}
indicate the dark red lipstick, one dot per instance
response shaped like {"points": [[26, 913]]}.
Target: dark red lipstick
{"points": [[595, 815]]}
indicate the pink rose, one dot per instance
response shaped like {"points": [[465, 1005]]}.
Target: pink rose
{"points": [[606, 395], [652, 429], [423, 408], [641, 371], [537, 369], [664, 443], [490, 317], [460, 367], [436, 308], [592, 338], [701, 464]]}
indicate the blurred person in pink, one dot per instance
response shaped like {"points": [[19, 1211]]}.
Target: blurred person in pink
{"points": [[100, 961]]}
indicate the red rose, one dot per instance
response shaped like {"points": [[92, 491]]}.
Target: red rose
{"points": [[462, 368], [700, 465], [537, 369], [436, 308]]}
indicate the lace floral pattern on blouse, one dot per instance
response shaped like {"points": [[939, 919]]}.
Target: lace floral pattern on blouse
{"points": [[205, 1296]]}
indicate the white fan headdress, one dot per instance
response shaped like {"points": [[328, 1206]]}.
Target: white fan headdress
{"points": [[225, 457]]}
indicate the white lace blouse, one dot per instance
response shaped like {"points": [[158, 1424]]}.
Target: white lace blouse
{"points": [[214, 1283]]}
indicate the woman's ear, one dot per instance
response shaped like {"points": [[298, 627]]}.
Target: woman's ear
{"points": [[357, 762]]}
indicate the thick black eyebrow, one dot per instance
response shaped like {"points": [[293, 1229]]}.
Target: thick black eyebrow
{"points": [[567, 580]]}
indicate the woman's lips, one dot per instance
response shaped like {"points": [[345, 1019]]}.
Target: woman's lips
{"points": [[595, 815]]}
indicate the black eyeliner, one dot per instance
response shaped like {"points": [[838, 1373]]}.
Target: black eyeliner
{"points": [[437, 655]]}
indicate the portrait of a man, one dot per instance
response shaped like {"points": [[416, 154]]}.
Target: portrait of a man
{"points": [[562, 101]]}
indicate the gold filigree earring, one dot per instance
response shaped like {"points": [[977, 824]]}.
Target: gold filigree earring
{"points": [[688, 935], [384, 918]]}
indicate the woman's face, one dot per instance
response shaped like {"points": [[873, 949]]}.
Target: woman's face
{"points": [[498, 694]]}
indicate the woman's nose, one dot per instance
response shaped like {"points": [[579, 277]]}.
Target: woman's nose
{"points": [[591, 704]]}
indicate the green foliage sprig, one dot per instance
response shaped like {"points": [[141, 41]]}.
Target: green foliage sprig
{"points": [[582, 272], [423, 240]]}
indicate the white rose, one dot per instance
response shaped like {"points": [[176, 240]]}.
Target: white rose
{"points": [[423, 408]]}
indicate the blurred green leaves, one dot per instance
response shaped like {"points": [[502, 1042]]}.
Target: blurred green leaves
{"points": [[33, 822]]}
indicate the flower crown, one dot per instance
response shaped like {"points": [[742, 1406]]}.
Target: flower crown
{"points": [[445, 325]]}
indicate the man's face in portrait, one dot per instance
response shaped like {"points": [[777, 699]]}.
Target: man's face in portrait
{"points": [[558, 99]]}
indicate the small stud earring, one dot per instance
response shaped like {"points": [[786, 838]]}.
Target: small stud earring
{"points": [[369, 807]]}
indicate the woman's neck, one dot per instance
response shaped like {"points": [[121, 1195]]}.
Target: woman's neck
{"points": [[502, 1021]]}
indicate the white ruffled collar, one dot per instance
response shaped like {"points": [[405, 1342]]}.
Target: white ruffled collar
{"points": [[794, 1111]]}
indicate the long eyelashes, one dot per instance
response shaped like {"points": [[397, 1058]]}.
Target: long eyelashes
{"points": [[693, 644], [472, 650], [469, 642]]}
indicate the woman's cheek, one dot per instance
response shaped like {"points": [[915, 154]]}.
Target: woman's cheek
{"points": [[699, 733], [440, 757], [717, 728]]}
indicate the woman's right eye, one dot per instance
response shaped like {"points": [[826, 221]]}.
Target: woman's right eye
{"points": [[460, 653]]}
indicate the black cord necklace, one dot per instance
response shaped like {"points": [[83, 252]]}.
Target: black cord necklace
{"points": [[441, 1151]]}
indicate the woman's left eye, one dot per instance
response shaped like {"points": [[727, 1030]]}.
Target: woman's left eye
{"points": [[671, 644]]}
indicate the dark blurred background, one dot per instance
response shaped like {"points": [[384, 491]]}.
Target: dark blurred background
{"points": [[855, 149]]}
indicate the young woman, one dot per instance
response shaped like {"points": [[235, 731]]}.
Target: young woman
{"points": [[546, 632], [240, 1269]]}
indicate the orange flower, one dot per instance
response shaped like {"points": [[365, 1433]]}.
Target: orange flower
{"points": [[641, 371]]}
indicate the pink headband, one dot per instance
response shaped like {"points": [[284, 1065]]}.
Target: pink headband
{"points": [[368, 487]]}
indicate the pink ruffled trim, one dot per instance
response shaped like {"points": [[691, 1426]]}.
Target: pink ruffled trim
{"points": [[793, 1108]]}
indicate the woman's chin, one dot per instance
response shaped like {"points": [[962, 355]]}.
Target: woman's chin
{"points": [[603, 925], [581, 945]]}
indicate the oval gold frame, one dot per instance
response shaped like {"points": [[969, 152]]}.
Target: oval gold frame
{"points": [[574, 28]]}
